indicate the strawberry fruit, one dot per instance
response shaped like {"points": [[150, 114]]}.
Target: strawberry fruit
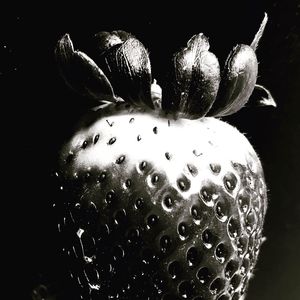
{"points": [[157, 200]]}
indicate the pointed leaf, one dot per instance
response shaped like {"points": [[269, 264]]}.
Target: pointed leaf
{"points": [[128, 67], [259, 33], [237, 83], [195, 81], [92, 82], [81, 73], [64, 50]]}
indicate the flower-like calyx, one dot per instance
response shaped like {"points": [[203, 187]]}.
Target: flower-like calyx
{"points": [[121, 71]]}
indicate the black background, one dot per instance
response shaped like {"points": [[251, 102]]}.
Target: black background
{"points": [[41, 108]]}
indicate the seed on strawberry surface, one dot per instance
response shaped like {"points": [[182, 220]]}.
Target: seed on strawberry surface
{"points": [[221, 209], [234, 228], [152, 220], [92, 275], [230, 181], [256, 204], [120, 160], [88, 246], [128, 183], [133, 235], [216, 168], [106, 270], [154, 179], [96, 138], [251, 220], [192, 169], [245, 266], [193, 257], [235, 281], [69, 158], [231, 267], [186, 289], [208, 238], [143, 165], [120, 217], [112, 141], [242, 244], [168, 155], [118, 252], [250, 182], [87, 176], [217, 286], [175, 269], [251, 241], [102, 177], [110, 197], [204, 275], [165, 243], [195, 211], [261, 187], [208, 194], [168, 203], [221, 253], [183, 230], [139, 203], [183, 183], [84, 144], [244, 202]]}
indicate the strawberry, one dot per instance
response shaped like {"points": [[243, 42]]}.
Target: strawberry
{"points": [[156, 199]]}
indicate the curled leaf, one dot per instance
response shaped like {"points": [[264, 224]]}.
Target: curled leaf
{"points": [[238, 81], [261, 96], [126, 62], [64, 50], [239, 77], [81, 73], [195, 80]]}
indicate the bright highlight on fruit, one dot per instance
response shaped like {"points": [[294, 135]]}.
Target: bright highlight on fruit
{"points": [[159, 199]]}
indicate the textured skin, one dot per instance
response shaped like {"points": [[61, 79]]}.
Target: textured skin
{"points": [[157, 208]]}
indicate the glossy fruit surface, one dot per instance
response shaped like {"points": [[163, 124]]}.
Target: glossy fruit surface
{"points": [[153, 207]]}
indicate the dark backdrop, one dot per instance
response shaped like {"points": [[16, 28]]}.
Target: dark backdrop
{"points": [[41, 108]]}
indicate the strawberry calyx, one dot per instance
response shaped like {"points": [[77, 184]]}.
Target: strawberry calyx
{"points": [[120, 71]]}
